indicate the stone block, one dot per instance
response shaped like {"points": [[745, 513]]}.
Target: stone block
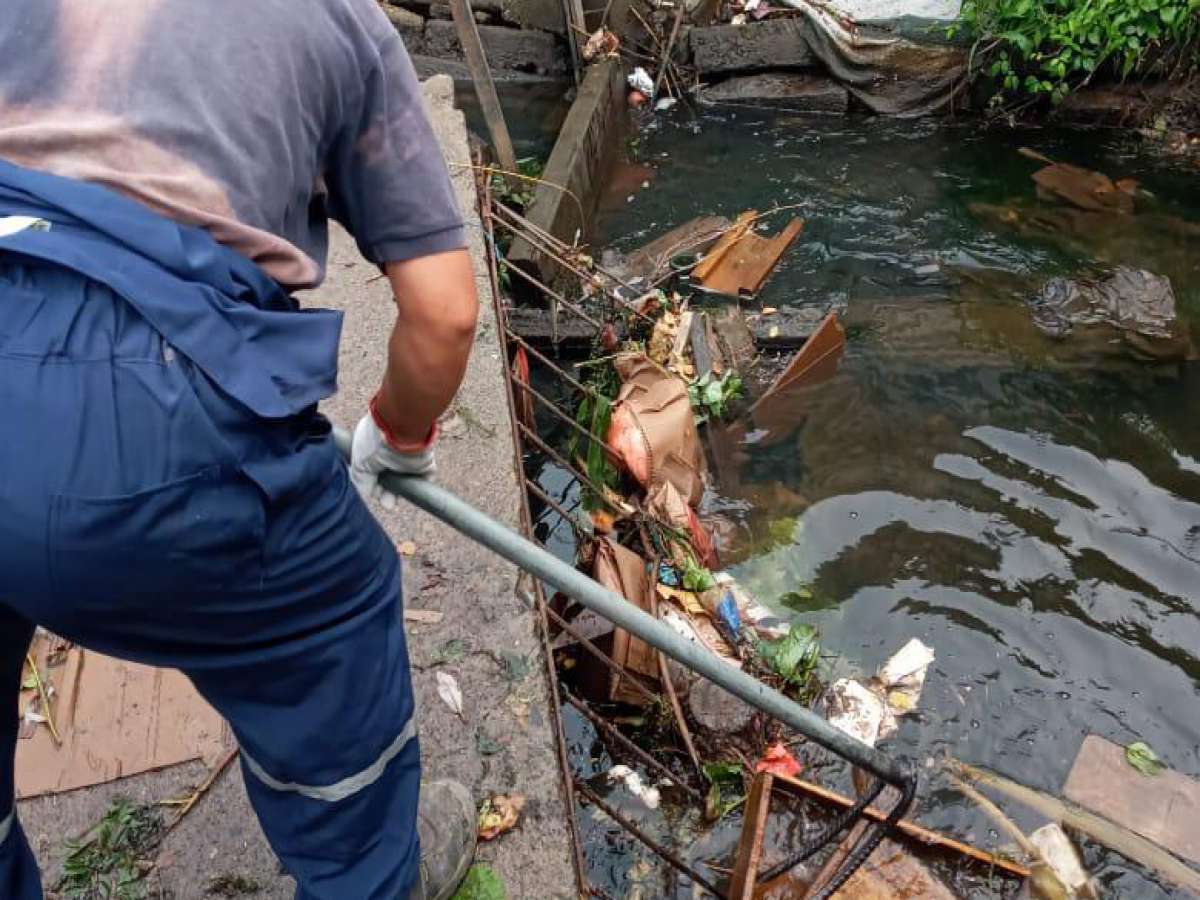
{"points": [[544, 15], [772, 44], [506, 48], [792, 91]]}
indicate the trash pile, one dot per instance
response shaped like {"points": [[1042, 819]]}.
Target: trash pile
{"points": [[684, 364], [806, 54]]}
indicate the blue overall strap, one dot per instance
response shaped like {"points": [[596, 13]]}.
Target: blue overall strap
{"points": [[210, 303]]}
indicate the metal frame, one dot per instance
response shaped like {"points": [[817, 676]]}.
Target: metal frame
{"points": [[549, 570]]}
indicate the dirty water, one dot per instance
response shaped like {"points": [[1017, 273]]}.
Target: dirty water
{"points": [[1029, 508]]}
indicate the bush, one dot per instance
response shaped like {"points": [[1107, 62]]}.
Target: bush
{"points": [[1047, 48]]}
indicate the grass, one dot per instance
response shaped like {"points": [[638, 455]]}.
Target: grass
{"points": [[111, 861]]}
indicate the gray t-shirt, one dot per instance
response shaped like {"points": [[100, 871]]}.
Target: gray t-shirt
{"points": [[255, 119]]}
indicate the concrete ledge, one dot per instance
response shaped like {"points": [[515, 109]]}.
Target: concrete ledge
{"points": [[791, 91], [773, 44], [581, 158]]}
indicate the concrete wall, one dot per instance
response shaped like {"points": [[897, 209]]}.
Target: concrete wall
{"points": [[584, 153]]}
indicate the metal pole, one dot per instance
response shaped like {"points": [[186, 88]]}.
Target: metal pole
{"points": [[502, 540]]}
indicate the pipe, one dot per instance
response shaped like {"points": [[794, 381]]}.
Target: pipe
{"points": [[505, 542]]}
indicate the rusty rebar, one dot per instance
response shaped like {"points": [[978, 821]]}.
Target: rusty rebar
{"points": [[545, 243], [579, 386], [663, 853], [604, 658], [559, 298], [554, 505], [596, 489], [564, 762], [628, 745], [553, 407]]}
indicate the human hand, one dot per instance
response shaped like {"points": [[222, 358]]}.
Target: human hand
{"points": [[371, 455]]}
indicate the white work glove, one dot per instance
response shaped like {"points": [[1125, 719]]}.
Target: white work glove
{"points": [[371, 455]]}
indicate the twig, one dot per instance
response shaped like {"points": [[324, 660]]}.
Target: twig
{"points": [[666, 54], [45, 695], [187, 804]]}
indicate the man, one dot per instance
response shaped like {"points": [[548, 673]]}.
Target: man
{"points": [[168, 492]]}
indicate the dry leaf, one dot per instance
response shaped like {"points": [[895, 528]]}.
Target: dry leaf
{"points": [[407, 548], [603, 521], [451, 693], [499, 814], [424, 616], [688, 600], [769, 310]]}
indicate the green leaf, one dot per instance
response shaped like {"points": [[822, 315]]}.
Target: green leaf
{"points": [[725, 792], [806, 600], [1141, 757], [793, 657], [697, 578], [30, 683], [481, 883], [451, 651]]}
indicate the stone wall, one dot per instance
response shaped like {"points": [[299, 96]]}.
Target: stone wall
{"points": [[519, 36]]}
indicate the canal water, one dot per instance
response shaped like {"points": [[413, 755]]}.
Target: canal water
{"points": [[1028, 508]]}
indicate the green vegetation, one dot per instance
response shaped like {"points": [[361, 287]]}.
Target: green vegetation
{"points": [[697, 578], [594, 413], [1141, 757], [110, 861], [1035, 49], [794, 657], [711, 397], [481, 883], [726, 790], [516, 190]]}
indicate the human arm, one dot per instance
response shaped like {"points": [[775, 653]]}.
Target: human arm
{"points": [[436, 313]]}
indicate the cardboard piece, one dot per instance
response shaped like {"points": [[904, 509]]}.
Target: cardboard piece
{"points": [[116, 719], [654, 429], [626, 573], [1163, 808]]}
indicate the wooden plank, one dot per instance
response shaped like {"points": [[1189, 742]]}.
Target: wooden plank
{"points": [[485, 88], [714, 256], [1164, 808], [750, 846], [745, 266], [904, 826]]}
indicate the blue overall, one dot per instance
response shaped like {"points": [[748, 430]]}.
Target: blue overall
{"points": [[168, 494]]}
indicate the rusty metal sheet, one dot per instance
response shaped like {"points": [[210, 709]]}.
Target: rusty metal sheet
{"points": [[745, 265]]}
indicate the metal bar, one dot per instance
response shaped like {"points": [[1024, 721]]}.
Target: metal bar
{"points": [[553, 407], [658, 848], [626, 744], [579, 386], [559, 256], [499, 538], [598, 490], [564, 762], [554, 505], [595, 323], [604, 658]]}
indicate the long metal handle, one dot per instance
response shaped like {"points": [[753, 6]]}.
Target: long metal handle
{"points": [[524, 554]]}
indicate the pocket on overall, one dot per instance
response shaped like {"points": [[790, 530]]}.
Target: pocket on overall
{"points": [[186, 538]]}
